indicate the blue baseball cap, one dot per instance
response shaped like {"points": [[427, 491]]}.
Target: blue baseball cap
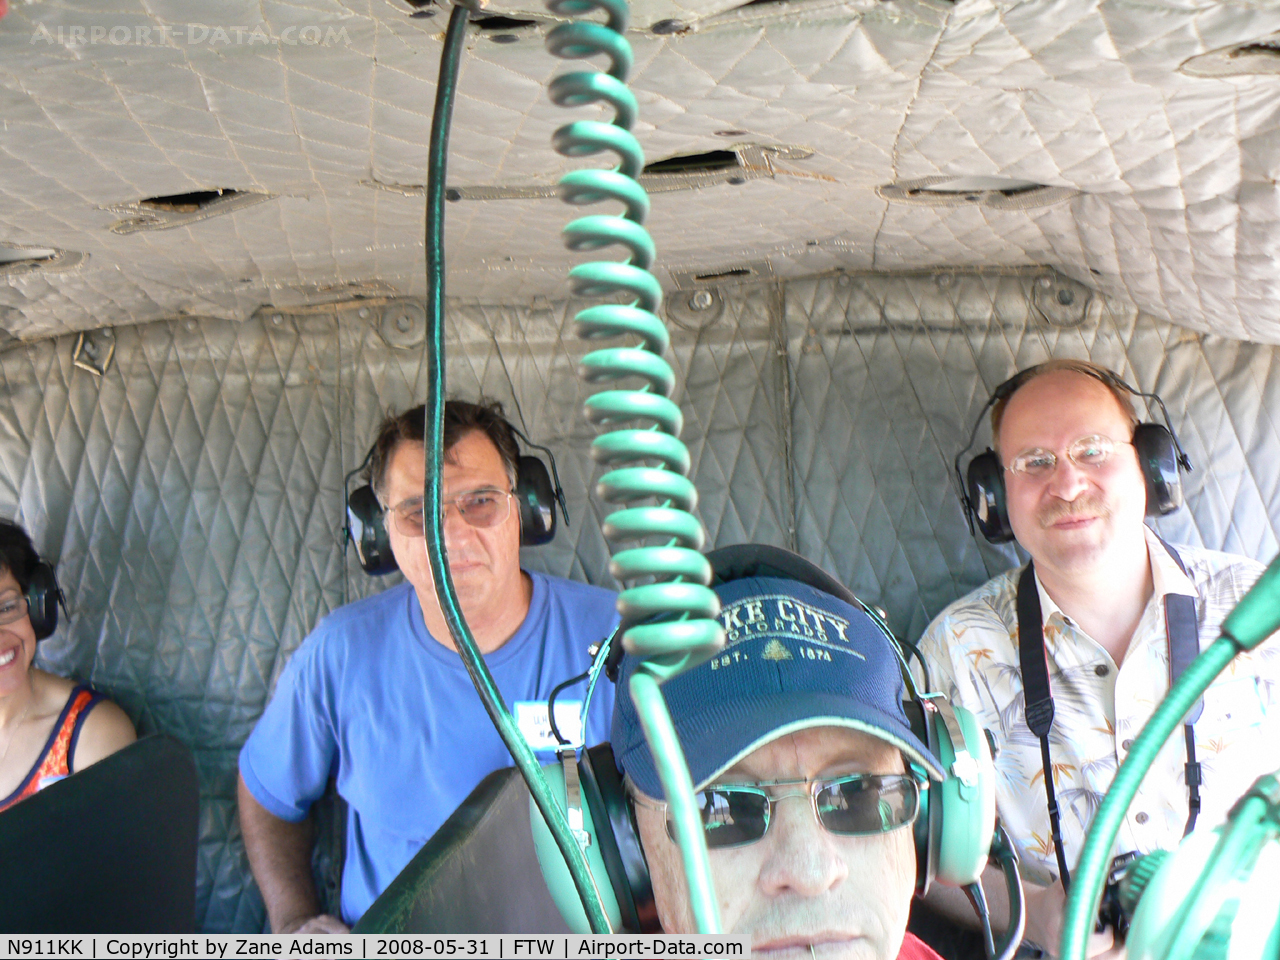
{"points": [[795, 658]]}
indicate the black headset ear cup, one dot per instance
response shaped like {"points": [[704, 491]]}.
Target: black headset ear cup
{"points": [[1158, 458], [43, 595], [367, 529], [987, 497], [619, 841], [537, 498]]}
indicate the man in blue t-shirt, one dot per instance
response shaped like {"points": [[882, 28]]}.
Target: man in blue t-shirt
{"points": [[378, 697]]}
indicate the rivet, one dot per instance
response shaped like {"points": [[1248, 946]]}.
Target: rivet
{"points": [[702, 300], [277, 319], [363, 313]]}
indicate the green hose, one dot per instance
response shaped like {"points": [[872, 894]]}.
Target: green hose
{"points": [[433, 526], [670, 623]]}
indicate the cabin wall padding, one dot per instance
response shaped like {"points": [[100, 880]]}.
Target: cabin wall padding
{"points": [[192, 495]]}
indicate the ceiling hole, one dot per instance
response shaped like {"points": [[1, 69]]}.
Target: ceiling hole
{"points": [[711, 162], [969, 186], [32, 255], [186, 202], [724, 274], [502, 25], [1263, 49], [668, 27]]}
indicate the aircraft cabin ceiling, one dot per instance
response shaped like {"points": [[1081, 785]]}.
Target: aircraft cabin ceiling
{"points": [[170, 158]]}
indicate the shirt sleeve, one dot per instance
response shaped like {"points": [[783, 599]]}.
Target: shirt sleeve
{"points": [[935, 649], [288, 758]]}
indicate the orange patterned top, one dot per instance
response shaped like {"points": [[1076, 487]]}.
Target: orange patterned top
{"points": [[54, 761]]}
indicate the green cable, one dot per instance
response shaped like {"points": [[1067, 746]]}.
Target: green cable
{"points": [[433, 523], [678, 787], [670, 624]]}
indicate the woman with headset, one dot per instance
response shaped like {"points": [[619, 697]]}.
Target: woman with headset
{"points": [[49, 726]]}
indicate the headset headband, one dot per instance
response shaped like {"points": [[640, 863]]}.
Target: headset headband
{"points": [[1012, 385]]}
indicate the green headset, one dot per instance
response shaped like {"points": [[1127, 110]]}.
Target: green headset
{"points": [[953, 832]]}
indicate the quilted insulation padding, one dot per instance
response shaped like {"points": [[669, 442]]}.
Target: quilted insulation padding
{"points": [[1167, 183], [192, 496]]}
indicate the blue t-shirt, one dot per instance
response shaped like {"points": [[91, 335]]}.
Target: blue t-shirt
{"points": [[372, 699]]}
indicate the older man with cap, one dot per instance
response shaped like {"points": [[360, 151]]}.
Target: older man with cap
{"points": [[807, 773]]}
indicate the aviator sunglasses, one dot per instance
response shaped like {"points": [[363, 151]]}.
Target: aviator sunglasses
{"points": [[856, 805], [483, 508]]}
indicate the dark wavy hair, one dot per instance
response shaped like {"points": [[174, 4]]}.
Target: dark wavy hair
{"points": [[17, 553], [460, 418]]}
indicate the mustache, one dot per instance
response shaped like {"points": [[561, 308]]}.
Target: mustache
{"points": [[1089, 505]]}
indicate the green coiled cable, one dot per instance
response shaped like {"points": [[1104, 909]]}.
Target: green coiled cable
{"points": [[669, 623], [433, 526]]}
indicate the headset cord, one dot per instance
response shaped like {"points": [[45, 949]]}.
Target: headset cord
{"points": [[433, 441], [679, 600], [551, 706]]}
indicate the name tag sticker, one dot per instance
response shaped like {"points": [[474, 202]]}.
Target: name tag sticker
{"points": [[535, 725], [1231, 706]]}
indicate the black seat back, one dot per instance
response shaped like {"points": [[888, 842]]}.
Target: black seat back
{"points": [[111, 849], [478, 874]]}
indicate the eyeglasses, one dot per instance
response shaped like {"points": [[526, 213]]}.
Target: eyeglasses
{"points": [[1091, 451], [12, 609], [479, 508], [858, 805]]}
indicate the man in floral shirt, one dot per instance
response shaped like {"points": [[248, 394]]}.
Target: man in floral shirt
{"points": [[1076, 500]]}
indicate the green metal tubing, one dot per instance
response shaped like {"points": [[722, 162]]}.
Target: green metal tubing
{"points": [[668, 757], [433, 441], [1237, 843], [1090, 873]]}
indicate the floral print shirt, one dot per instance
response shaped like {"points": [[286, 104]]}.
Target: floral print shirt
{"points": [[972, 653]]}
